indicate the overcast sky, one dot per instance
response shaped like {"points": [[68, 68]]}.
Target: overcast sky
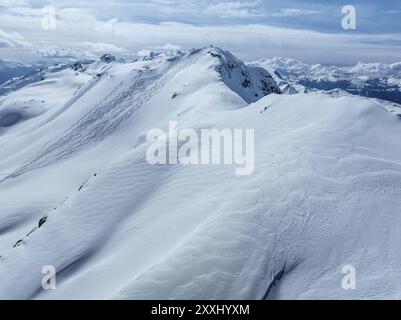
{"points": [[310, 31]]}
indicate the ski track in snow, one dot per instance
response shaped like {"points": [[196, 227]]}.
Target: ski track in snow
{"points": [[103, 120]]}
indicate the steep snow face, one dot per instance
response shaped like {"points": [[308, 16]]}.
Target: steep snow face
{"points": [[77, 192], [251, 83], [280, 69]]}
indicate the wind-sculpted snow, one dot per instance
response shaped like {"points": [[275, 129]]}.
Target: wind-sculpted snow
{"points": [[324, 193]]}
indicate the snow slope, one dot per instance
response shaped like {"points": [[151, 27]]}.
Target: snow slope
{"points": [[324, 192]]}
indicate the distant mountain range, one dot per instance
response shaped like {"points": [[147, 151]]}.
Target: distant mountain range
{"points": [[10, 69], [373, 80]]}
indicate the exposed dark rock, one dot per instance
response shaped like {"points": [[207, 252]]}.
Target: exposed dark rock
{"points": [[108, 58], [18, 243], [42, 221], [246, 83]]}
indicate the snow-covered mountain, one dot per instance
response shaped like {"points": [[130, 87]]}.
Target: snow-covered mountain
{"points": [[11, 69], [38, 74], [77, 192], [373, 80]]}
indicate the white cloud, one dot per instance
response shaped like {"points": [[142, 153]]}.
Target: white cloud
{"points": [[101, 47], [79, 32], [167, 48], [172, 47], [13, 3], [71, 50], [236, 9], [292, 12], [78, 50], [13, 40], [56, 52]]}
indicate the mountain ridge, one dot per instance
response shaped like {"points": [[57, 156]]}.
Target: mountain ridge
{"points": [[78, 193], [372, 80]]}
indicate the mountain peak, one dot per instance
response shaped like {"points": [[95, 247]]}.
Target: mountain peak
{"points": [[250, 82], [108, 58]]}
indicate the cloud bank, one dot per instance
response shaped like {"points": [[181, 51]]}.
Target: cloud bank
{"points": [[80, 33]]}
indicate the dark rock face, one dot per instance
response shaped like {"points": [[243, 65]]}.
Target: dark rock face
{"points": [[42, 221], [250, 82], [18, 243], [152, 55], [108, 58], [77, 66]]}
